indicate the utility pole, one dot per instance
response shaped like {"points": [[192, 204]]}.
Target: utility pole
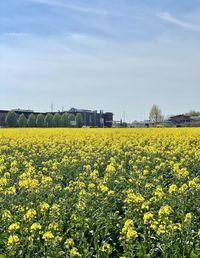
{"points": [[124, 116], [52, 107]]}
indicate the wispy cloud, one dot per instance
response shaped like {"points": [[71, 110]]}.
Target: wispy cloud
{"points": [[173, 20], [75, 7], [15, 34]]}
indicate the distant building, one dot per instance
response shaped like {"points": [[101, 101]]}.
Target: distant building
{"points": [[90, 118], [141, 124], [94, 118], [180, 119], [195, 120], [3, 114]]}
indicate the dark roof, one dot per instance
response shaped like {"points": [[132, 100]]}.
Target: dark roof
{"points": [[72, 110], [180, 116], [6, 111]]}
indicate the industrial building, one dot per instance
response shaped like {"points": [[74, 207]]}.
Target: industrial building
{"points": [[90, 118], [94, 118]]}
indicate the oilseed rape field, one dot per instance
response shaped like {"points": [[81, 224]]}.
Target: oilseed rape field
{"points": [[100, 193]]}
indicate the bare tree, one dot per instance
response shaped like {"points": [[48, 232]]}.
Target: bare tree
{"points": [[155, 114]]}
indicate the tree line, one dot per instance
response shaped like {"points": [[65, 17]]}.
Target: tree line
{"points": [[193, 113], [40, 120]]}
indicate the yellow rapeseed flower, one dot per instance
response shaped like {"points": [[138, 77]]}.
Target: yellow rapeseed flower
{"points": [[6, 215], [74, 252], [106, 248], [53, 226], [35, 226], [14, 226], [159, 192], [30, 214], [147, 217], [110, 169], [103, 188], [55, 208], [165, 211], [69, 242], [48, 236], [131, 233], [133, 197], [13, 240], [44, 206], [128, 230], [173, 188], [161, 230], [188, 217]]}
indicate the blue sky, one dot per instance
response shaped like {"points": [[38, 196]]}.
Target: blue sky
{"points": [[116, 55]]}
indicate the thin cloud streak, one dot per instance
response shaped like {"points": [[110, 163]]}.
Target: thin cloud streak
{"points": [[173, 20], [15, 34], [70, 6]]}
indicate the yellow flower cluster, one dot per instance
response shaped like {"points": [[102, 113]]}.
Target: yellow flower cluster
{"points": [[35, 226], [148, 216], [14, 226], [164, 211], [99, 192], [128, 230], [47, 236], [13, 240], [30, 214]]}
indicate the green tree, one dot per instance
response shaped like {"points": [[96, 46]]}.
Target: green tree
{"points": [[193, 113], [57, 120], [155, 115], [40, 120], [11, 119], [48, 121], [22, 121], [72, 120], [65, 120], [31, 120], [79, 120]]}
